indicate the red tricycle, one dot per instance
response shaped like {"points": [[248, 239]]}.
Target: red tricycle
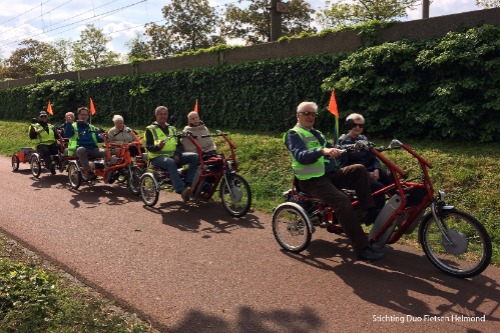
{"points": [[117, 165], [455, 242], [21, 156], [59, 161], [214, 169]]}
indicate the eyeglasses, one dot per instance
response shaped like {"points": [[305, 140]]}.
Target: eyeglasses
{"points": [[308, 113], [358, 125], [43, 116]]}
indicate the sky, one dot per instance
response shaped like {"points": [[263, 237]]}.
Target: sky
{"points": [[49, 20]]}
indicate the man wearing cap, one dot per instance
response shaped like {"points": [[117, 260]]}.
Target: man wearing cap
{"points": [[46, 139], [317, 173], [83, 141]]}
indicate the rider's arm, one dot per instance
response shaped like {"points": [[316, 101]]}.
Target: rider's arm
{"points": [[69, 131], [33, 133], [150, 142], [299, 150]]}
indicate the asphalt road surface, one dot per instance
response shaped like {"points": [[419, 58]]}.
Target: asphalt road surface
{"points": [[193, 268]]}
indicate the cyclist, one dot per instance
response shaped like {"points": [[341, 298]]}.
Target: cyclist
{"points": [[84, 140], [166, 152], [46, 137], [317, 173]]}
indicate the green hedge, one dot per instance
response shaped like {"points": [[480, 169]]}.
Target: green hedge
{"points": [[441, 88]]}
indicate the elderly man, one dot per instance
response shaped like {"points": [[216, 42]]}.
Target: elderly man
{"points": [[166, 152], [46, 139], [317, 172], [84, 140]]}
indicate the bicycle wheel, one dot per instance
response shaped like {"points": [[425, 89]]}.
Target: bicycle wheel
{"points": [[466, 252], [291, 227], [15, 162], [134, 180], [74, 175], [35, 166], [149, 189], [235, 195]]}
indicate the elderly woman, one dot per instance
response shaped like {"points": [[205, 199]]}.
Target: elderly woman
{"points": [[122, 134], [196, 126], [355, 124]]}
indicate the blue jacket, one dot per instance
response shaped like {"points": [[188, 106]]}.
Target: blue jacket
{"points": [[84, 135], [364, 157]]}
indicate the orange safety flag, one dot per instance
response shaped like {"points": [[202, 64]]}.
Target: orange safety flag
{"points": [[332, 107], [196, 106], [49, 109], [92, 107]]}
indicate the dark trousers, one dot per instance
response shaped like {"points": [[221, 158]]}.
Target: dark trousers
{"points": [[45, 151], [328, 189]]}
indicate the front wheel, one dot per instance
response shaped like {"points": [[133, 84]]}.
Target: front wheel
{"points": [[134, 180], [15, 162], [235, 195], [463, 250], [149, 189], [74, 175], [35, 165], [291, 227]]}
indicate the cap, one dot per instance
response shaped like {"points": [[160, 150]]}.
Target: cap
{"points": [[42, 113]]}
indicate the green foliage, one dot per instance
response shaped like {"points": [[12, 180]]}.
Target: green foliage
{"points": [[441, 88], [31, 300]]}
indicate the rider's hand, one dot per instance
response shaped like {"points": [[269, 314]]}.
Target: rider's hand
{"points": [[161, 144], [331, 152], [176, 159]]}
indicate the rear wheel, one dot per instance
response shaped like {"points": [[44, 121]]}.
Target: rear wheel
{"points": [[291, 227], [15, 162], [74, 175], [149, 189], [235, 195], [36, 168], [464, 252], [134, 180]]}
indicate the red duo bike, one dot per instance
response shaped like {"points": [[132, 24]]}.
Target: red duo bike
{"points": [[454, 241], [215, 172]]}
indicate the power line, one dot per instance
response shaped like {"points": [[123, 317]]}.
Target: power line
{"points": [[24, 12]]}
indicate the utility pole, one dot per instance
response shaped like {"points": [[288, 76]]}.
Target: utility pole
{"points": [[425, 9], [275, 22], [277, 9]]}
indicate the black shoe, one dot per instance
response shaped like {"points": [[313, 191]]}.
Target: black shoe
{"points": [[369, 255], [91, 176], [52, 168]]}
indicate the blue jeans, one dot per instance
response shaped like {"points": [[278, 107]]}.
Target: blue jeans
{"points": [[168, 163]]}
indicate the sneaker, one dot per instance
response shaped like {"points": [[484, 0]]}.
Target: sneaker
{"points": [[91, 176], [369, 255], [52, 168], [186, 193]]}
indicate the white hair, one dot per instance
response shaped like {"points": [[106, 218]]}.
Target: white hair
{"points": [[117, 117], [355, 116], [303, 105]]}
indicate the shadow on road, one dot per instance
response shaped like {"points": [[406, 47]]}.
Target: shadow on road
{"points": [[403, 281], [194, 216], [100, 193], [304, 320]]}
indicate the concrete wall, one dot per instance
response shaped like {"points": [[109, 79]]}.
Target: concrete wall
{"points": [[331, 43]]}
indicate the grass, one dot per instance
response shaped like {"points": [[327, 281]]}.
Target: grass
{"points": [[468, 173]]}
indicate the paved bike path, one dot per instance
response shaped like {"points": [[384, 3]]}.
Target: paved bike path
{"points": [[193, 268]]}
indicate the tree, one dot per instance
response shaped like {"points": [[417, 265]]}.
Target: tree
{"points": [[488, 3], [253, 24], [91, 50], [29, 60], [139, 49], [60, 55], [190, 25], [347, 13]]}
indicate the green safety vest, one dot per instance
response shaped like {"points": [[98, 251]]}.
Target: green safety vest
{"points": [[317, 169], [44, 138], [73, 141], [158, 135]]}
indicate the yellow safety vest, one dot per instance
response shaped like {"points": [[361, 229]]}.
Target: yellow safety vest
{"points": [[73, 141], [316, 169], [44, 138], [158, 135]]}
